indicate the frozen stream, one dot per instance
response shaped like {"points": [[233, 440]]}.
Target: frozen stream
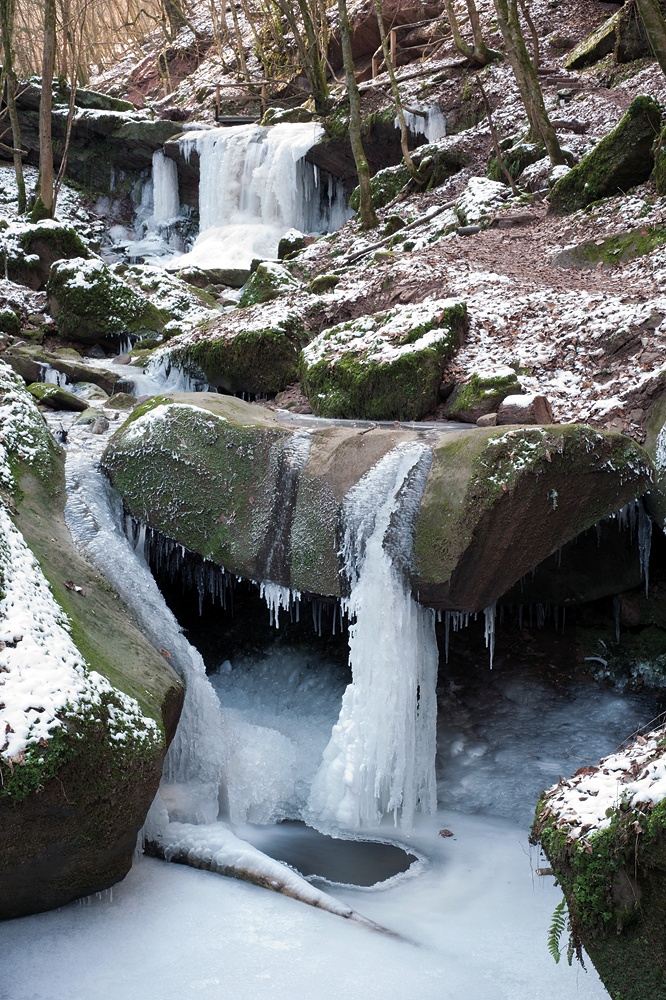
{"points": [[475, 918]]}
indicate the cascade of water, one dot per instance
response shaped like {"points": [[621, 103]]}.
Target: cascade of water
{"points": [[254, 185], [166, 200], [195, 761], [381, 755]]}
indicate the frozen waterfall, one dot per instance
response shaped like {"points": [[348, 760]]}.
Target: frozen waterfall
{"points": [[381, 755], [166, 200], [254, 185]]}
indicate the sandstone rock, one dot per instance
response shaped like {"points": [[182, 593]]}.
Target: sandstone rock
{"points": [[31, 248], [268, 281], [497, 501], [481, 393], [526, 409], [383, 367], [56, 398], [621, 160], [487, 420]]}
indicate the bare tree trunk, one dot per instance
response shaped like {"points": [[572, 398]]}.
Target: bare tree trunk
{"points": [[367, 211], [6, 28], [493, 132], [404, 134], [44, 205], [317, 66], [536, 58], [481, 55], [527, 79], [466, 50], [655, 26]]}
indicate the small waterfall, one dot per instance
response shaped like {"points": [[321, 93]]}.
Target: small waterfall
{"points": [[381, 755], [430, 122], [254, 185], [166, 201]]}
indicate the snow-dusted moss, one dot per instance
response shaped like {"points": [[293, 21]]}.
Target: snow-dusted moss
{"points": [[91, 303], [479, 201], [268, 282], [27, 250], [383, 367], [482, 393]]}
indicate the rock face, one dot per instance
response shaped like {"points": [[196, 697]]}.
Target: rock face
{"points": [[434, 166], [383, 367], [31, 248], [92, 304], [621, 160], [206, 471], [31, 363], [604, 832], [72, 801]]}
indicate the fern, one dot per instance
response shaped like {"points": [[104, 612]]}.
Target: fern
{"points": [[556, 930]]}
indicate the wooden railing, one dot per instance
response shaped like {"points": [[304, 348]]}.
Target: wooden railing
{"points": [[378, 55], [257, 91]]}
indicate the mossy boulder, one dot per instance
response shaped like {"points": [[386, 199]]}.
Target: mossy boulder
{"points": [[482, 393], [32, 363], [247, 351], [516, 156], [604, 833], [480, 200], [434, 165], [9, 322], [383, 367], [269, 281], [290, 116], [209, 472], [72, 800], [91, 304], [291, 243], [56, 398], [622, 159], [323, 283], [613, 250], [121, 401], [29, 250], [595, 46]]}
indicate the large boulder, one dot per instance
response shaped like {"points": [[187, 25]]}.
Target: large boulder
{"points": [[604, 833], [228, 481], [91, 304], [29, 249], [247, 351], [34, 363], [387, 366], [434, 164], [621, 160], [269, 281], [482, 393], [87, 706], [655, 445]]}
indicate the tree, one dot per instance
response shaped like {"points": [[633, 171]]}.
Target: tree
{"points": [[44, 205], [655, 27], [478, 54], [7, 10], [526, 77], [367, 211], [404, 134]]}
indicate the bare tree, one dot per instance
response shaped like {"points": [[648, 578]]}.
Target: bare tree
{"points": [[367, 211], [44, 205], [7, 10], [478, 53], [404, 134], [655, 26], [527, 79]]}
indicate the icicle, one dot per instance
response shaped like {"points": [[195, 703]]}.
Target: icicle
{"points": [[381, 755], [489, 615], [447, 625], [166, 201], [644, 542], [616, 612]]}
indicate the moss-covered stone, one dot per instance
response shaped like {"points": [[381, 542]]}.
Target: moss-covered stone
{"points": [[9, 322], [56, 398], [70, 810], [516, 157], [292, 116], [482, 393], [621, 160], [29, 250], [254, 357], [613, 250], [495, 503], [121, 401], [32, 362], [268, 281], [434, 166], [595, 46], [92, 304], [383, 367], [614, 880], [323, 283], [291, 244]]}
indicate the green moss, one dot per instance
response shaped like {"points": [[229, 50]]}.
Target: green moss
{"points": [[323, 283], [9, 322], [516, 158], [613, 250], [596, 45], [100, 306], [263, 360], [267, 282], [480, 394], [55, 397], [621, 160]]}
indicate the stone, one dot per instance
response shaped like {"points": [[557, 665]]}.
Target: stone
{"points": [[31, 248], [434, 166], [121, 401], [291, 243], [90, 303], [612, 250], [56, 398], [655, 446], [204, 469], [487, 420], [529, 408], [292, 116], [9, 322], [101, 425], [383, 367], [70, 811], [88, 417], [31, 363], [268, 281], [479, 201], [595, 46], [516, 156], [622, 159], [482, 393], [323, 283], [90, 391]]}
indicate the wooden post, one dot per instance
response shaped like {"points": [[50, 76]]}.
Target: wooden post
{"points": [[218, 103], [394, 45], [264, 99], [375, 66]]}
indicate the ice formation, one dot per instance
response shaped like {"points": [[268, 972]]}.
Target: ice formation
{"points": [[381, 755], [166, 201], [254, 185], [429, 122]]}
